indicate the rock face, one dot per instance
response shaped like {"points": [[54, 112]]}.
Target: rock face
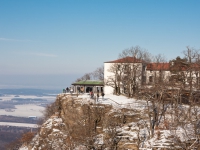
{"points": [[81, 124], [50, 136]]}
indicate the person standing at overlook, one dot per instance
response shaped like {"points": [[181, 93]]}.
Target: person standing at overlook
{"points": [[71, 90], [97, 95], [67, 89], [102, 94]]}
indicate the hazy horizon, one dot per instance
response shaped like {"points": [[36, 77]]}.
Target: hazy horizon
{"points": [[49, 44], [38, 81]]}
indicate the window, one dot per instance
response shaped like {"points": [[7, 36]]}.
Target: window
{"points": [[189, 79], [118, 67], [143, 68], [198, 81], [161, 76], [126, 69], [143, 79], [151, 79]]}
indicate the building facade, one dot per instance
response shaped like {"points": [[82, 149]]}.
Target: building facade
{"points": [[127, 74], [117, 72], [86, 86]]}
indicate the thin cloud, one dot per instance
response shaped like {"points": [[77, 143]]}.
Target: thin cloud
{"points": [[44, 55], [14, 40]]}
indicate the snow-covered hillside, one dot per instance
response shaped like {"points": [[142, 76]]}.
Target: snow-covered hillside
{"points": [[116, 122]]}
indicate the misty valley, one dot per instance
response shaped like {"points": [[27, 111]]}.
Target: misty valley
{"points": [[9, 98], [19, 108]]}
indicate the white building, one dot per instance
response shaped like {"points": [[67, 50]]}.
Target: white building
{"points": [[112, 69], [157, 71], [146, 73]]}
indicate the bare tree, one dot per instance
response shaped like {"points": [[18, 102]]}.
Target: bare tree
{"points": [[115, 79], [129, 71], [160, 66], [188, 125], [98, 74], [158, 96], [178, 67], [87, 76]]}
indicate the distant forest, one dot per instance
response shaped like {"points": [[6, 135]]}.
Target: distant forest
{"points": [[5, 118], [10, 134]]}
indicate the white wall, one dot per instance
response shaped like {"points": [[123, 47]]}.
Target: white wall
{"points": [[149, 73], [107, 74]]}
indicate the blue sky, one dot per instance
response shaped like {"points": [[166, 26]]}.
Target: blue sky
{"points": [[48, 43]]}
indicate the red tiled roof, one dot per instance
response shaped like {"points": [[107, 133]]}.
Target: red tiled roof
{"points": [[168, 67], [126, 60], [192, 66], [195, 66], [158, 66]]}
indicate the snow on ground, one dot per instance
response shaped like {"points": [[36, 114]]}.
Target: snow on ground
{"points": [[123, 102], [24, 148], [131, 130], [24, 111], [118, 101]]}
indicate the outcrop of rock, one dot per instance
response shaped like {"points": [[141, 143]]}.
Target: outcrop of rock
{"points": [[82, 124]]}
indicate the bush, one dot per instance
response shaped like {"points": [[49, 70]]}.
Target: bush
{"points": [[49, 111]]}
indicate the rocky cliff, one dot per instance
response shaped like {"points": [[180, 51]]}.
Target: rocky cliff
{"points": [[82, 124]]}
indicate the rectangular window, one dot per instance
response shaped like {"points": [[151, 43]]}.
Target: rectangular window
{"points": [[198, 80], [143, 68], [150, 79], [160, 76], [143, 79], [126, 69], [189, 79], [118, 67]]}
